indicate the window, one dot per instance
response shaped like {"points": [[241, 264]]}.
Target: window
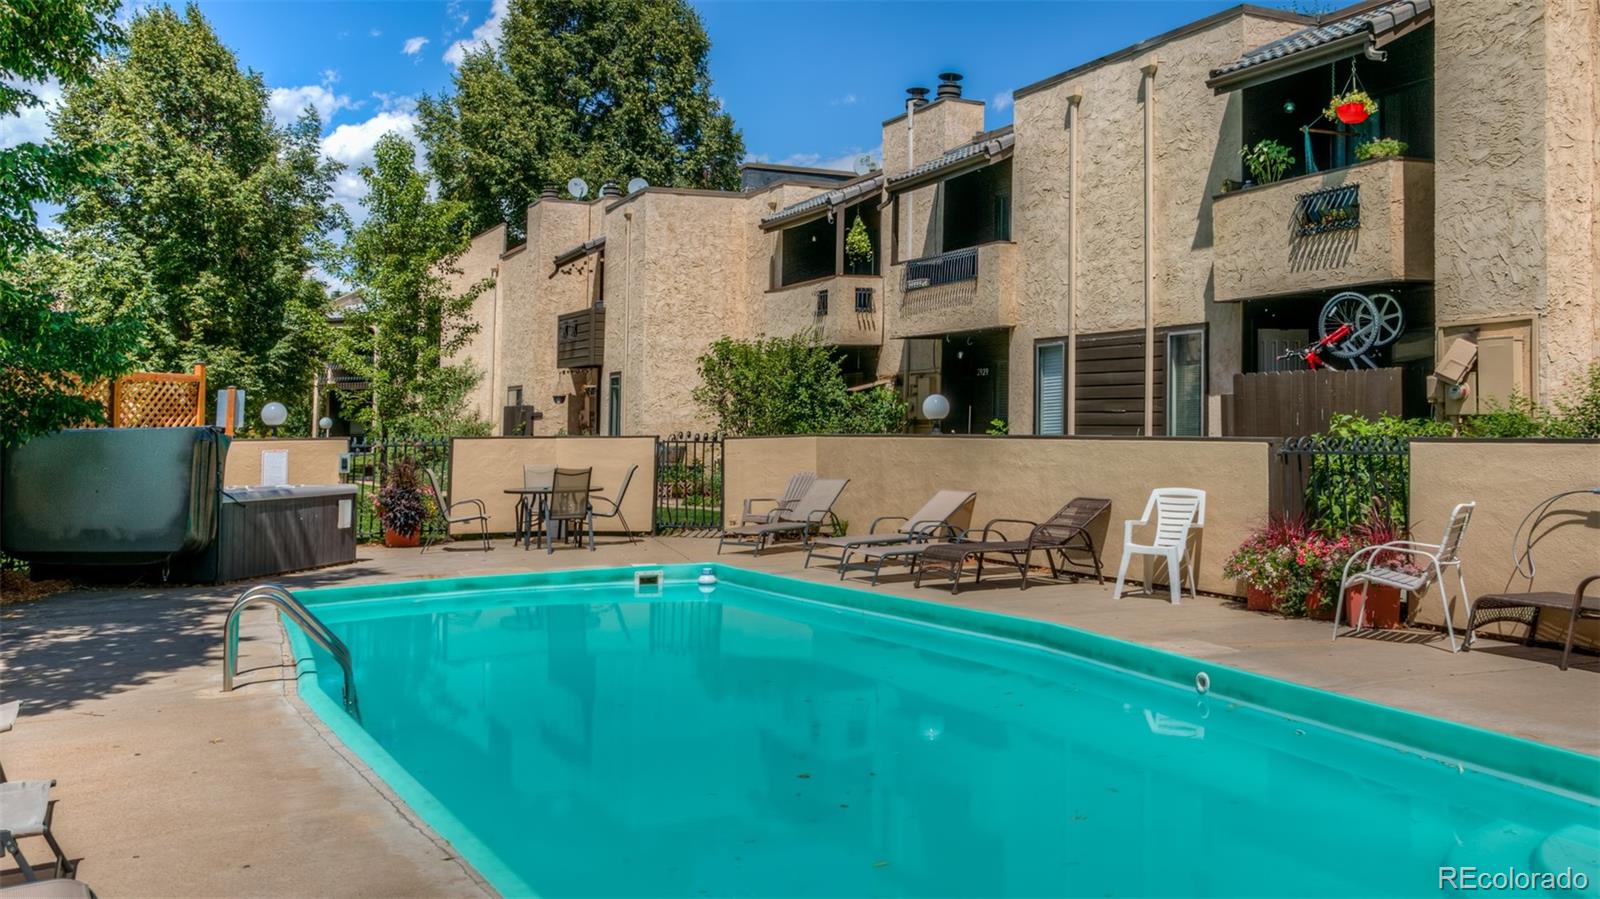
{"points": [[514, 396], [1050, 388], [1186, 383], [614, 405]]}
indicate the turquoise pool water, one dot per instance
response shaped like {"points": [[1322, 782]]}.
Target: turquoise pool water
{"points": [[780, 738]]}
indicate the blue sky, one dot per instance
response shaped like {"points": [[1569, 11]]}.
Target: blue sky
{"points": [[820, 100]]}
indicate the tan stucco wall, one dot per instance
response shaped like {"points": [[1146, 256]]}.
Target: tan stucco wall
{"points": [[1260, 254], [990, 301], [484, 467], [482, 260], [310, 461], [1196, 137], [1507, 478], [1515, 151], [792, 310], [1024, 478]]}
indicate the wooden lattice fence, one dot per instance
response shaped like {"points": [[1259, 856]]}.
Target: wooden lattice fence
{"points": [[159, 400]]}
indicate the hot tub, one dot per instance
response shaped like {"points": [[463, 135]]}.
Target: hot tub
{"points": [[271, 530]]}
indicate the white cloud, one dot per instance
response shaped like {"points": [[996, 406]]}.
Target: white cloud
{"points": [[1001, 101], [414, 45], [32, 123], [376, 32], [286, 102], [482, 35], [846, 100], [844, 162], [353, 143]]}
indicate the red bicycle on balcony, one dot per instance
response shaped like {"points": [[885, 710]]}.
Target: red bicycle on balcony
{"points": [[1350, 328]]}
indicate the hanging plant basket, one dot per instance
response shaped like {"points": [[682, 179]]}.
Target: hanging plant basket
{"points": [[1351, 107]]}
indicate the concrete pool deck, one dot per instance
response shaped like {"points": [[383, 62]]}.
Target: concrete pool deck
{"points": [[169, 787]]}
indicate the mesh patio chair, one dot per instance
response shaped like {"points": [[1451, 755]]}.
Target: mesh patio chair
{"points": [[534, 477], [1178, 512], [798, 485], [568, 506], [1064, 534], [613, 507], [447, 515], [934, 519], [1525, 606], [26, 811], [1444, 554], [809, 515]]}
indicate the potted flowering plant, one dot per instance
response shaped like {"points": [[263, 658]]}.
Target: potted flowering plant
{"points": [[402, 505], [1351, 107], [1263, 561]]}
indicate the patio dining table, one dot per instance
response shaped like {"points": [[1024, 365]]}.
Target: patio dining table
{"points": [[530, 501]]}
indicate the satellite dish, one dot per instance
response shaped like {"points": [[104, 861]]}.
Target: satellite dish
{"points": [[864, 164], [637, 184], [577, 188]]}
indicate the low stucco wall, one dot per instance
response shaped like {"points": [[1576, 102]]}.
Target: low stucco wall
{"points": [[484, 467], [1028, 478], [1507, 478], [310, 461]]}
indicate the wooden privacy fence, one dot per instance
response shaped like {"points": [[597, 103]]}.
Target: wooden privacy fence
{"points": [[1301, 403], [159, 400]]}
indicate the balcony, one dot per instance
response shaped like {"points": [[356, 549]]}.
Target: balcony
{"points": [[971, 289], [1369, 223], [581, 338], [842, 310]]}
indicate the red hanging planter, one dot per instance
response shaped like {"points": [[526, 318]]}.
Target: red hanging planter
{"points": [[1352, 113]]}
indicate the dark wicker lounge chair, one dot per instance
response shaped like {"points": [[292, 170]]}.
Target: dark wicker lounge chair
{"points": [[1066, 534]]}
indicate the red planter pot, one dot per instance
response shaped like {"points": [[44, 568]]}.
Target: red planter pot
{"points": [[1319, 608], [1382, 609], [1258, 600], [1352, 113], [395, 539]]}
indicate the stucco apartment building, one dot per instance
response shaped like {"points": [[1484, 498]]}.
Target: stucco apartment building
{"points": [[1103, 265]]}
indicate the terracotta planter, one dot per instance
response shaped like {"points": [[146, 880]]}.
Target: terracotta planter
{"points": [[1318, 607], [395, 539], [1382, 609], [1351, 113], [1258, 600]]}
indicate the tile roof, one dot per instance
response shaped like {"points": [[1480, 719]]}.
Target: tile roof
{"points": [[1375, 21], [836, 197], [578, 252], [992, 143]]}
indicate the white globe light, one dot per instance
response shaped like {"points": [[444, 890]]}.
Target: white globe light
{"points": [[325, 423], [935, 407], [274, 414]]}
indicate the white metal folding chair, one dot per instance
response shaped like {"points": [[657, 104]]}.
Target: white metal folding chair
{"points": [[1444, 554], [1178, 511]]}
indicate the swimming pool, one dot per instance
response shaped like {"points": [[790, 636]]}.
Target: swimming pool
{"points": [[572, 735]]}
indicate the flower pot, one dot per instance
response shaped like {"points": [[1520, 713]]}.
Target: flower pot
{"points": [[1318, 607], [1352, 113], [1258, 600], [393, 538], [1381, 611]]}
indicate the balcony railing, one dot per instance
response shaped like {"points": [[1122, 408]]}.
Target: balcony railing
{"points": [[822, 303], [946, 268], [1330, 209], [863, 299]]}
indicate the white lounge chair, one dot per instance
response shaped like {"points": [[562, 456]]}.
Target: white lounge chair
{"points": [[1178, 512], [934, 519], [25, 811], [1444, 554]]}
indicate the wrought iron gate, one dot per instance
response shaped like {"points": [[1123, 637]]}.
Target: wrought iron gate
{"points": [[689, 483], [1335, 482], [369, 458]]}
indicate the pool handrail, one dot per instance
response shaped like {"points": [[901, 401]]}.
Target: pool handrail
{"points": [[280, 598]]}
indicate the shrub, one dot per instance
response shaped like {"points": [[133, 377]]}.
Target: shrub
{"points": [[1267, 160], [401, 503], [789, 385], [1380, 148]]}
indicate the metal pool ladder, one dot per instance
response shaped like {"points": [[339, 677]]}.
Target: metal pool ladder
{"points": [[284, 601]]}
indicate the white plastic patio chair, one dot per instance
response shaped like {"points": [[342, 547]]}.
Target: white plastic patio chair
{"points": [[1178, 511], [1444, 554]]}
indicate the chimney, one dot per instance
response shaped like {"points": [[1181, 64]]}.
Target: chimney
{"points": [[549, 193], [610, 189], [918, 95], [949, 85]]}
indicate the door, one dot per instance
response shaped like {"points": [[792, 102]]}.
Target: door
{"points": [[922, 376], [1272, 343]]}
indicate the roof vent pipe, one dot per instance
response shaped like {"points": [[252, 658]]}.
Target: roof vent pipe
{"points": [[949, 85], [610, 189], [549, 193], [917, 97]]}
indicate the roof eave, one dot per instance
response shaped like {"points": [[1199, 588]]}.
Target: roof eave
{"points": [[1282, 67], [961, 167]]}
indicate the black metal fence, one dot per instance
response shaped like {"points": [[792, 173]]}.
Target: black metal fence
{"points": [[689, 483], [945, 268], [1336, 483], [369, 458]]}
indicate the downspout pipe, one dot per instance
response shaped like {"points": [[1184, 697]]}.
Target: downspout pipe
{"points": [[1072, 264], [1148, 89]]}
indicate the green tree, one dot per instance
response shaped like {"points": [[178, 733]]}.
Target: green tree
{"points": [[46, 352], [206, 221], [411, 321], [789, 385], [598, 89]]}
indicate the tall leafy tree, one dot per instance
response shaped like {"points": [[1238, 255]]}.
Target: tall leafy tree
{"points": [[410, 324], [205, 222], [47, 355], [598, 89]]}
